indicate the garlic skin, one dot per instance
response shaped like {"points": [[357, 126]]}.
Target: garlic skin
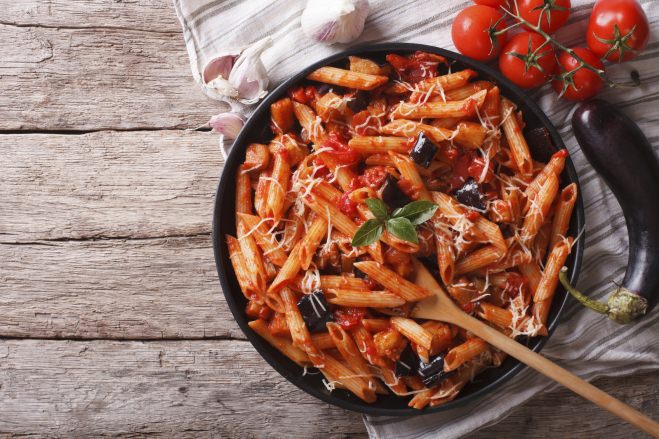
{"points": [[334, 21], [228, 124], [240, 75]]}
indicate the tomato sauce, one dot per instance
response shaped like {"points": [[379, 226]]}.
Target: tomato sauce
{"points": [[349, 317], [304, 95], [340, 149]]}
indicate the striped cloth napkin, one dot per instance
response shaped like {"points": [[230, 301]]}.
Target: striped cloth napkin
{"points": [[585, 343]]}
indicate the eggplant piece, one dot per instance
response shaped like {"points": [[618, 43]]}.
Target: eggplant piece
{"points": [[392, 195], [359, 101], [617, 149], [315, 311], [407, 363], [540, 143], [358, 273], [423, 152], [432, 373], [470, 195]]}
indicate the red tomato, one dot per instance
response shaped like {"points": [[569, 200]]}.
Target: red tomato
{"points": [[516, 69], [492, 3], [618, 30], [349, 317], [473, 32], [554, 13], [585, 83]]}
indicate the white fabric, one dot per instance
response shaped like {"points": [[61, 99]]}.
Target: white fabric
{"points": [[585, 343]]}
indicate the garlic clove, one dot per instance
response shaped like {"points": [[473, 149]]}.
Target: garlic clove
{"points": [[337, 21], [227, 124], [219, 88], [219, 67], [248, 75]]}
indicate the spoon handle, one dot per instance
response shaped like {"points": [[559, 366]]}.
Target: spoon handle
{"points": [[558, 374]]}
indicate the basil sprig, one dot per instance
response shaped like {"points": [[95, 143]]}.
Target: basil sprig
{"points": [[401, 223]]}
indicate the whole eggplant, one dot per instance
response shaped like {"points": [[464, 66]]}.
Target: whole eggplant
{"points": [[619, 151]]}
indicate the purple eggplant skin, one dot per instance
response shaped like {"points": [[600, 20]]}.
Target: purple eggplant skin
{"points": [[619, 151]]}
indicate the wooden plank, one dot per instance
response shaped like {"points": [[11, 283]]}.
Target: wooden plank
{"points": [[107, 184], [116, 289], [164, 389], [563, 414], [145, 15], [92, 79], [224, 389]]}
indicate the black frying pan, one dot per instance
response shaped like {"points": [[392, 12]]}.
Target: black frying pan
{"points": [[257, 130]]}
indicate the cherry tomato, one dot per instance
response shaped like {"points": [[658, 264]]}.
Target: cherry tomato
{"points": [[516, 69], [473, 32], [585, 83], [618, 30], [492, 3], [554, 13]]}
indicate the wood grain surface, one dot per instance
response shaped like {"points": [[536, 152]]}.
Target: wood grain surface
{"points": [[112, 321]]}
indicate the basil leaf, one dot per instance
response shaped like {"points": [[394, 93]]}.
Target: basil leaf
{"points": [[368, 233], [417, 212], [403, 228], [378, 208]]}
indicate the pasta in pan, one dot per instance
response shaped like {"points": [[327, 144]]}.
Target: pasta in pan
{"points": [[370, 167]]}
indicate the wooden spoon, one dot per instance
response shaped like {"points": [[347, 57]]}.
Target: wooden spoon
{"points": [[441, 307]]}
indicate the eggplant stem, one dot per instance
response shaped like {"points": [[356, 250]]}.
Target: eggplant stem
{"points": [[596, 306]]}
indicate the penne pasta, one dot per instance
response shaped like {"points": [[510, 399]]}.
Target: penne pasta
{"points": [[413, 331], [392, 281], [518, 146], [283, 345], [379, 144], [464, 352], [425, 167], [562, 214], [243, 192], [347, 78], [370, 299], [434, 110]]}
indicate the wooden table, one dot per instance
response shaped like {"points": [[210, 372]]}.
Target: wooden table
{"points": [[112, 322]]}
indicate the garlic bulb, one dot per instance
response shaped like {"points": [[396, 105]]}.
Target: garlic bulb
{"points": [[238, 75], [334, 21], [227, 124]]}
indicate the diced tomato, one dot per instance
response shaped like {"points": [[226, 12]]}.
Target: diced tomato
{"points": [[349, 317], [303, 95], [311, 93], [340, 149], [346, 205], [416, 67], [476, 170], [514, 284], [297, 94], [468, 307], [399, 63], [472, 215], [365, 124], [461, 169], [374, 177], [449, 153]]}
